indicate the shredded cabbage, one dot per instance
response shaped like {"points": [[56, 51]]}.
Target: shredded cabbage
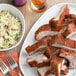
{"points": [[10, 29]]}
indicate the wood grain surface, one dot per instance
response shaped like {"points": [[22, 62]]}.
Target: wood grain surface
{"points": [[31, 17]]}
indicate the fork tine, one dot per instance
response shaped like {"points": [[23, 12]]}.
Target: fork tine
{"points": [[5, 70], [2, 65], [12, 63], [10, 60]]}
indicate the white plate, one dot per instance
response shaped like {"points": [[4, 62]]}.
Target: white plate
{"points": [[52, 12]]}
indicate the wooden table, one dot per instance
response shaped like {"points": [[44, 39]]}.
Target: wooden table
{"points": [[31, 17]]}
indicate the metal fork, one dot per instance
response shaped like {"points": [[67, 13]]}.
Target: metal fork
{"points": [[4, 69], [12, 63]]}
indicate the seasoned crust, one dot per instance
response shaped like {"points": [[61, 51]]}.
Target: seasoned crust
{"points": [[38, 46], [69, 18], [40, 33], [43, 28], [57, 65], [54, 25], [70, 56], [35, 47], [45, 71], [57, 21], [71, 29], [39, 60], [50, 51], [59, 39], [64, 11]]}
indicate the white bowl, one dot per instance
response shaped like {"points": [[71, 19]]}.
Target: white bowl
{"points": [[18, 14]]}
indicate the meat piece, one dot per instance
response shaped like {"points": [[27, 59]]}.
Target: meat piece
{"points": [[39, 60], [44, 30], [54, 27], [57, 65], [56, 22], [70, 43], [58, 39], [64, 43], [38, 46], [69, 18], [71, 29], [64, 11], [59, 18], [53, 22], [70, 56], [45, 71], [50, 51]]}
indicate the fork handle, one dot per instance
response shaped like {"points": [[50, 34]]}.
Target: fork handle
{"points": [[18, 73]]}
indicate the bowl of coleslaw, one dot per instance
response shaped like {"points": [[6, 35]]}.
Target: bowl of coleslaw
{"points": [[12, 27]]}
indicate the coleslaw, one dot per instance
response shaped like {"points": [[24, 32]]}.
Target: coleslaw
{"points": [[10, 29]]}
